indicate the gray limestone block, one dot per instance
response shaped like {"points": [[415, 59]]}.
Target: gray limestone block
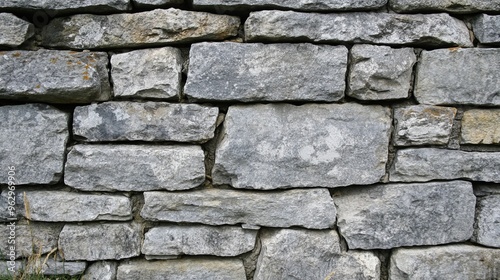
{"points": [[30, 239], [54, 8], [286, 146], [44, 265], [151, 28], [480, 127], [302, 5], [156, 3], [312, 208], [134, 167], [102, 270], [459, 76], [33, 138], [449, 262], [144, 121], [487, 28], [274, 72], [487, 231], [13, 30], [395, 215], [54, 76], [377, 28], [451, 6]]}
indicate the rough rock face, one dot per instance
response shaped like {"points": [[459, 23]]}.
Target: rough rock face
{"points": [[258, 72], [481, 127], [311, 208], [134, 167], [152, 28], [486, 189], [307, 5], [384, 28], [54, 76], [462, 6], [57, 7], [395, 215], [459, 76], [13, 30], [487, 28], [285, 146], [155, 3], [487, 231], [103, 270], [39, 238]]}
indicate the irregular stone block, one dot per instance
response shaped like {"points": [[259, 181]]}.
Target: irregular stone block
{"points": [[57, 7], [487, 28], [308, 5], [148, 121], [462, 6], [35, 238], [94, 242], [228, 207], [286, 146], [220, 269], [149, 73], [423, 125], [58, 267], [175, 240], [134, 167], [151, 28], [155, 3], [318, 249], [481, 127], [445, 262], [420, 165], [459, 76], [33, 138], [378, 28], [54, 76], [395, 215], [13, 30], [487, 231], [274, 72], [103, 270], [380, 72]]}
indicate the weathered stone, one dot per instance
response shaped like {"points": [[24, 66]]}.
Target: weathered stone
{"points": [[481, 127], [103, 270], [452, 6], [148, 121], [380, 72], [423, 125], [54, 76], [174, 240], [274, 72], [33, 138], [307, 5], [155, 3], [487, 231], [94, 242], [13, 30], [394, 215], [35, 238], [459, 76], [378, 28], [57, 267], [220, 269], [291, 253], [152, 28], [445, 262], [57, 7], [226, 207], [487, 28], [149, 73], [286, 146], [420, 165], [486, 189]]}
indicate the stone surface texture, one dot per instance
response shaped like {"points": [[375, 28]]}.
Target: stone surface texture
{"points": [[103, 270], [39, 238], [452, 6], [481, 127], [302, 5], [487, 230], [14, 31], [487, 28], [57, 7], [155, 3]]}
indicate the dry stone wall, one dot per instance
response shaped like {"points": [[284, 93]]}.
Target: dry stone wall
{"points": [[250, 139]]}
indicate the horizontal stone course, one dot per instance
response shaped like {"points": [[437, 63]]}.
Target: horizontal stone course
{"points": [[487, 231], [462, 6], [481, 127], [13, 30], [487, 28], [57, 7], [38, 238], [307, 5]]}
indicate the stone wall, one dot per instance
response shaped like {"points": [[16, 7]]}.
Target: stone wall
{"points": [[251, 139]]}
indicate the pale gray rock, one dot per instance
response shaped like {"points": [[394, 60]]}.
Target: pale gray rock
{"points": [[54, 76], [144, 121], [423, 125], [54, 8], [220, 269], [459, 76], [449, 262], [302, 5], [103, 270], [291, 253], [224, 241], [378, 28], [35, 238], [380, 72], [151, 28], [286, 146], [134, 167], [451, 6], [155, 3], [58, 267], [481, 127], [395, 215], [487, 230], [94, 242], [33, 138], [274, 72], [487, 28], [149, 73], [425, 164], [313, 208], [13, 30]]}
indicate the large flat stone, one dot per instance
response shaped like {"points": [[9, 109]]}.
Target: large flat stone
{"points": [[226, 207], [155, 3], [54, 76], [462, 6], [420, 165], [286, 146], [481, 127], [134, 167], [102, 270], [487, 28], [45, 265], [13, 30], [58, 7], [145, 121], [395, 215], [459, 76], [152, 28], [274, 72], [378, 28], [307, 5], [33, 138], [35, 238], [487, 230]]}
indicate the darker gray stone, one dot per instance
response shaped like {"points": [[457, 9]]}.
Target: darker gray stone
{"points": [[308, 5], [487, 231], [487, 28], [33, 238], [13, 30], [54, 8], [462, 6]]}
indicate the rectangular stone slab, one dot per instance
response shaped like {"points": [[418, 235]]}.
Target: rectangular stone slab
{"points": [[487, 231], [487, 28], [54, 8], [307, 5], [462, 6], [480, 127], [31, 238]]}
